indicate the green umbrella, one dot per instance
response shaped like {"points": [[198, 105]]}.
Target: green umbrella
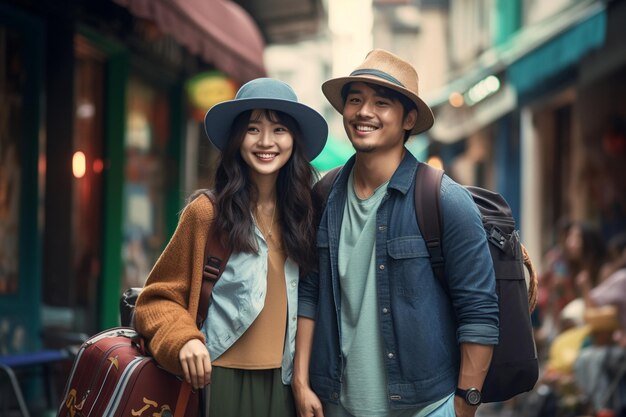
{"points": [[335, 153], [418, 146]]}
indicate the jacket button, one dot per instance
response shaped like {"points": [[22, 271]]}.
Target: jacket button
{"points": [[390, 355], [381, 267], [335, 395], [382, 227], [385, 310]]}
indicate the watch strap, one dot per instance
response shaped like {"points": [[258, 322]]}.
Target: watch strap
{"points": [[460, 392]]}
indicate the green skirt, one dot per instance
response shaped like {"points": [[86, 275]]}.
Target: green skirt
{"points": [[249, 393]]}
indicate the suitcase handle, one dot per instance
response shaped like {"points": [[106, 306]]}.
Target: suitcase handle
{"points": [[140, 343]]}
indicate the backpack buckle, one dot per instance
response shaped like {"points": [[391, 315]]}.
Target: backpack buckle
{"points": [[496, 237], [211, 269], [436, 254]]}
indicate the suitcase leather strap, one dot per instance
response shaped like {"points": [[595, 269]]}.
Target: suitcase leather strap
{"points": [[183, 398]]}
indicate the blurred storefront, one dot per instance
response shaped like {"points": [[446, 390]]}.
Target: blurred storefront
{"points": [[572, 113], [597, 188], [528, 115], [97, 135]]}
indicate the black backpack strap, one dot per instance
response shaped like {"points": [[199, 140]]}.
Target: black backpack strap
{"points": [[428, 214], [215, 259], [321, 190]]}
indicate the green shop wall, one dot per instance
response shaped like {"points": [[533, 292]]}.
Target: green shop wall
{"points": [[174, 198]]}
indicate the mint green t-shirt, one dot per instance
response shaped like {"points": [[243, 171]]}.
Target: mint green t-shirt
{"points": [[364, 386]]}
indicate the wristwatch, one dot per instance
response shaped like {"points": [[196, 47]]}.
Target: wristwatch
{"points": [[472, 396]]}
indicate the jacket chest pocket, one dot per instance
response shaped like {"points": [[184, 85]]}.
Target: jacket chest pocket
{"points": [[410, 265], [407, 247]]}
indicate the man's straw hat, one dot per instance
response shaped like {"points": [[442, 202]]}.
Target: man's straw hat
{"points": [[388, 70]]}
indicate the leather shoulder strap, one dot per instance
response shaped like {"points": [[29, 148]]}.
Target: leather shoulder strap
{"points": [[215, 260], [428, 214]]}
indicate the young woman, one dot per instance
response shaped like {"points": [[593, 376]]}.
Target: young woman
{"points": [[263, 212]]}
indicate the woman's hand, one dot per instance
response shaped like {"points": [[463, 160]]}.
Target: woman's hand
{"points": [[196, 362]]}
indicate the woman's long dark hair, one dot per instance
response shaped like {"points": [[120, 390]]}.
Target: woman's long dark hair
{"points": [[236, 195]]}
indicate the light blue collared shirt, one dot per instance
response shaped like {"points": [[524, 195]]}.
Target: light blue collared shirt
{"points": [[239, 296]]}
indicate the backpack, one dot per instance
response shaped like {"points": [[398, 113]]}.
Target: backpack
{"points": [[514, 365]]}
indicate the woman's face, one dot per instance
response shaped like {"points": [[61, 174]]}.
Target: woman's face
{"points": [[574, 243], [267, 145]]}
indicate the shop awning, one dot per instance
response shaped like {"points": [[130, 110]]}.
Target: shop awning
{"points": [[527, 60], [220, 31], [454, 124], [286, 21], [559, 53]]}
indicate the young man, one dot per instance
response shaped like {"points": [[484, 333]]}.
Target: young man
{"points": [[378, 335]]}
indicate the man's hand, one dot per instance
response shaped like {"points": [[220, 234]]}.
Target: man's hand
{"points": [[475, 360], [196, 362], [462, 409], [307, 403]]}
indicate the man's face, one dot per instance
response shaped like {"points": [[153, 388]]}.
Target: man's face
{"points": [[374, 122]]}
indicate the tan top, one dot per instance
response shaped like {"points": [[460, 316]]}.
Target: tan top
{"points": [[262, 344], [163, 314]]}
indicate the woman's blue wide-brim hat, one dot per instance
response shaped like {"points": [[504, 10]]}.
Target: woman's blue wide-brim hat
{"points": [[267, 93]]}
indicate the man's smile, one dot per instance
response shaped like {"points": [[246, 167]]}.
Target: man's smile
{"points": [[365, 128]]}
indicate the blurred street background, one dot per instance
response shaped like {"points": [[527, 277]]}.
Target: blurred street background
{"points": [[101, 141]]}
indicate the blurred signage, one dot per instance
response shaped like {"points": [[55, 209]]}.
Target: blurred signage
{"points": [[457, 122], [390, 2], [207, 89]]}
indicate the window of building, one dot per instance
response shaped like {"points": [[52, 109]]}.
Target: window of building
{"points": [[146, 170], [11, 116]]}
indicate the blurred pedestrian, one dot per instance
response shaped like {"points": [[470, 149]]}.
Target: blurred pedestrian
{"points": [[378, 335], [601, 366], [587, 252], [263, 212], [556, 287], [581, 259], [612, 290]]}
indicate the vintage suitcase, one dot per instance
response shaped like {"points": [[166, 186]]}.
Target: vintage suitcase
{"points": [[104, 381], [112, 375]]}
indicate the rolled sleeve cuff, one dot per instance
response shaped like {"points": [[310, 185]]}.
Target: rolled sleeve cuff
{"points": [[307, 309], [482, 334]]}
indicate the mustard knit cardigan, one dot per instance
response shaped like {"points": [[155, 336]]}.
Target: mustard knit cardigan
{"points": [[165, 312]]}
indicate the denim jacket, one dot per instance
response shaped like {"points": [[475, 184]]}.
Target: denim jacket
{"points": [[239, 296], [421, 325]]}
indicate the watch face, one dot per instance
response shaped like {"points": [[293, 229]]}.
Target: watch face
{"points": [[473, 396]]}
